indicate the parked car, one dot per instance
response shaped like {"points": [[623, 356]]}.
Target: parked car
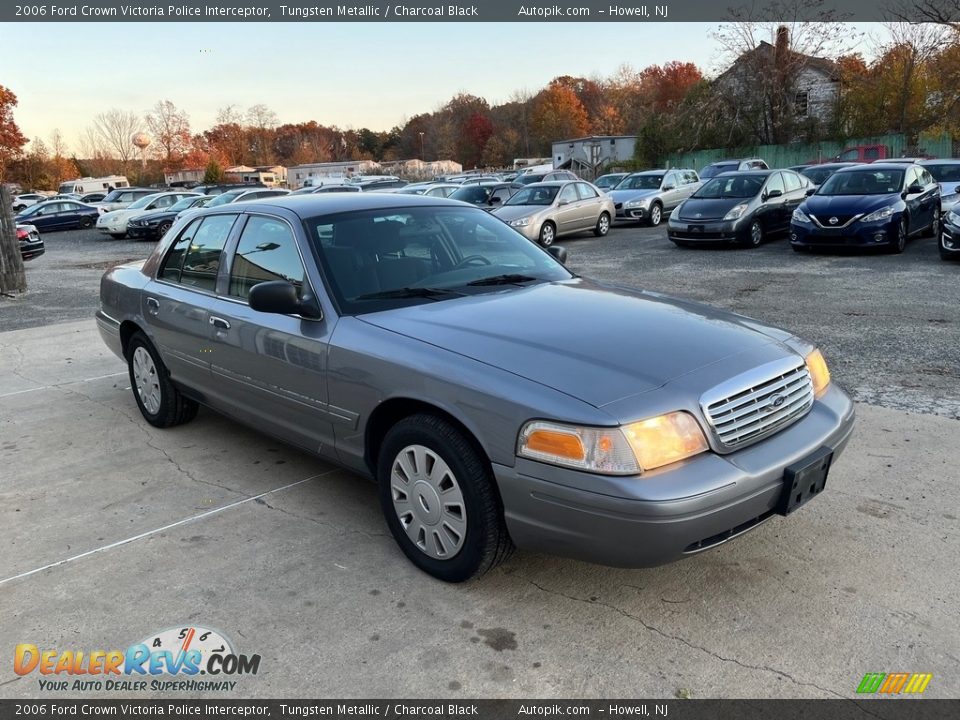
{"points": [[817, 174], [153, 224], [477, 179], [528, 178], [497, 398], [609, 181], [857, 154], [229, 197], [723, 166], [879, 205], [430, 189], [648, 196], [31, 244], [114, 223], [313, 190], [738, 207], [59, 215], [377, 185], [947, 175], [218, 188], [122, 198], [93, 197], [487, 196], [544, 211], [949, 240], [25, 200]]}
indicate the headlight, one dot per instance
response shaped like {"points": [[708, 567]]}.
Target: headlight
{"points": [[953, 217], [520, 222], [626, 450], [881, 214], [642, 202], [800, 216], [736, 212], [819, 373]]}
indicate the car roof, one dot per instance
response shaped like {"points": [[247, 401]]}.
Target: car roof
{"points": [[941, 161], [741, 173], [880, 165]]}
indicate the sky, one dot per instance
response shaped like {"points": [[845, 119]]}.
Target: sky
{"points": [[352, 75]]}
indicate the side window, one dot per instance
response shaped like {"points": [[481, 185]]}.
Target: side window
{"points": [[165, 201], [775, 183], [926, 177], [568, 194], [502, 194], [50, 209], [202, 261], [690, 177], [586, 192], [267, 251], [791, 181], [170, 270], [911, 178], [871, 153]]}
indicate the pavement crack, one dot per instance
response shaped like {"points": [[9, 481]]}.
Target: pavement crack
{"points": [[321, 522], [683, 641]]}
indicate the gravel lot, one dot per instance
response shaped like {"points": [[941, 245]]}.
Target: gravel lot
{"points": [[889, 325]]}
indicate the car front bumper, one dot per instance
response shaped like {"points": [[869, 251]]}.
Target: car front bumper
{"points": [[875, 234], [950, 240], [633, 213], [545, 512], [707, 231], [146, 231]]}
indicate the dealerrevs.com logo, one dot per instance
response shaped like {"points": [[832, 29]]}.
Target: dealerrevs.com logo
{"points": [[170, 660]]}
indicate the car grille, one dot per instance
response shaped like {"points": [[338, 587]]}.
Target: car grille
{"points": [[762, 408], [842, 220]]}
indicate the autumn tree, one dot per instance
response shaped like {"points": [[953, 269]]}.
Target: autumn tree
{"points": [[170, 128], [557, 114], [11, 139]]}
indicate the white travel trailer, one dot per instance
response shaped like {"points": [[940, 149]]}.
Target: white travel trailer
{"points": [[82, 186]]}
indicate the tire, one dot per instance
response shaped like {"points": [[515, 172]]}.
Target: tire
{"points": [[603, 225], [900, 244], [548, 233], [451, 546], [162, 229], [86, 223], [160, 403], [656, 214], [934, 229], [118, 236], [755, 234]]}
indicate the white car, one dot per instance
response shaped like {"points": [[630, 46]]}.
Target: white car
{"points": [[238, 195], [26, 200], [114, 223]]}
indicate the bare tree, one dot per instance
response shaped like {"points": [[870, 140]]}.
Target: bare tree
{"points": [[262, 121], [914, 46], [115, 130], [945, 13], [170, 127], [58, 150]]}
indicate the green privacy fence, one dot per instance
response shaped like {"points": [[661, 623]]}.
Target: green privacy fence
{"points": [[938, 145]]}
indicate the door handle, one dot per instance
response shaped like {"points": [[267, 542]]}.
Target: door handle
{"points": [[153, 305], [218, 322]]}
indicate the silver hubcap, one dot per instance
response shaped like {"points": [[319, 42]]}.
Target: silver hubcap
{"points": [[655, 215], [756, 233], [428, 501], [547, 234], [145, 377], [604, 224]]}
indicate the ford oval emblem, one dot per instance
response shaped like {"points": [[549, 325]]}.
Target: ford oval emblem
{"points": [[775, 402], [833, 221]]}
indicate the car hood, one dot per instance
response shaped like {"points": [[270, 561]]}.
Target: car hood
{"points": [[594, 342], [514, 212], [708, 208], [628, 195], [848, 204]]}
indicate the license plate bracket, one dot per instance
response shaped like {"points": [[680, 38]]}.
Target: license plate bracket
{"points": [[804, 480]]}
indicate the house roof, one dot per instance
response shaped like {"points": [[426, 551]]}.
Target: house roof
{"points": [[765, 51]]}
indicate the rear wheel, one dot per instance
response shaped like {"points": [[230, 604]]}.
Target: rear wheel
{"points": [[603, 225], [656, 214], [160, 403], [548, 233], [934, 229], [86, 223], [439, 500]]}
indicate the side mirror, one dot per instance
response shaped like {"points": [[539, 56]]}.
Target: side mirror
{"points": [[561, 203], [559, 253], [667, 187], [773, 194], [914, 189], [495, 200], [810, 191], [280, 297]]}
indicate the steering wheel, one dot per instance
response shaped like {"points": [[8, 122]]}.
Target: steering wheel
{"points": [[472, 260]]}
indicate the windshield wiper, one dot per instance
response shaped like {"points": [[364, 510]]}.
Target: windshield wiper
{"points": [[508, 279], [409, 292]]}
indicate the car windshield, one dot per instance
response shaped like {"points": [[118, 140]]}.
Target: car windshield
{"points": [[863, 182], [476, 194], [818, 174], [529, 178], [184, 204], [142, 202], [713, 170], [945, 172], [731, 186], [376, 260], [608, 181], [640, 182], [543, 195], [225, 198]]}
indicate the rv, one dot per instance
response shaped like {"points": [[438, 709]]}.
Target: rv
{"points": [[82, 186]]}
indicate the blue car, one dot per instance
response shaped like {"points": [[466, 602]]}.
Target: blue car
{"points": [[59, 215], [879, 205]]}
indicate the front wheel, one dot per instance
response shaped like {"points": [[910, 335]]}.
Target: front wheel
{"points": [[656, 215], [755, 236], [548, 233], [160, 403], [900, 243], [162, 228], [439, 500], [603, 225]]}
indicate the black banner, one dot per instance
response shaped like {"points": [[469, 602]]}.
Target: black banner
{"points": [[595, 11], [854, 709]]}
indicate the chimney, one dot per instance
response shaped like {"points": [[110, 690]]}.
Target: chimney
{"points": [[783, 41]]}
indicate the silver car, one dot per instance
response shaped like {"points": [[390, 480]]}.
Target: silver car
{"points": [[544, 211], [651, 195], [497, 398]]}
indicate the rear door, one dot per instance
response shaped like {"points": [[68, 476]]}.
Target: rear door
{"points": [[772, 208], [590, 204], [568, 209]]}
